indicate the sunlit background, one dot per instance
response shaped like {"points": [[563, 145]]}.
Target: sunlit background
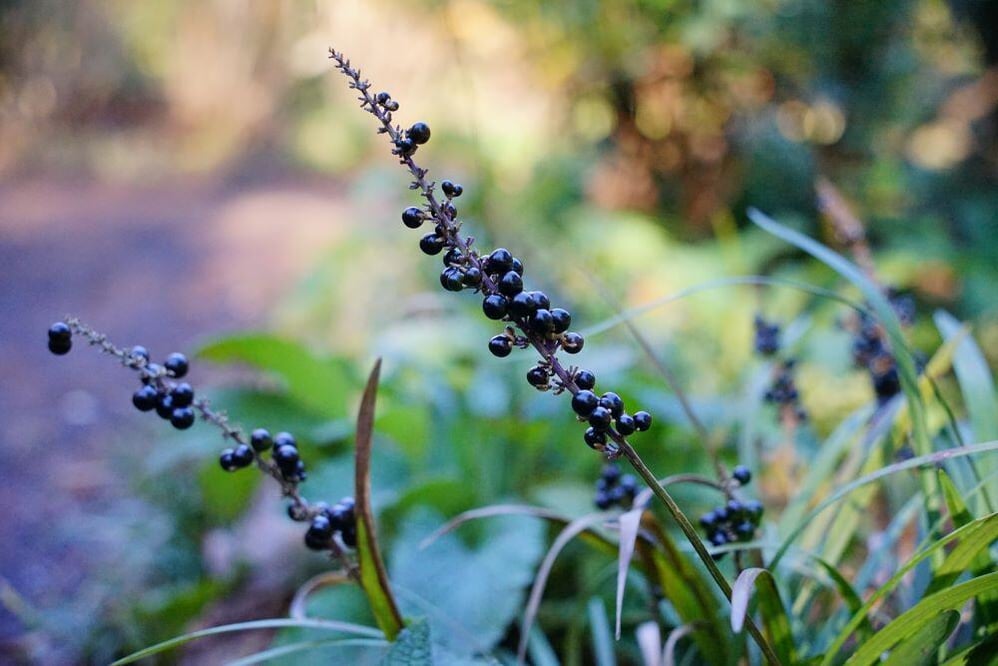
{"points": [[173, 172]]}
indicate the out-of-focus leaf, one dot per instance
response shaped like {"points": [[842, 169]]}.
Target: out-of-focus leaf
{"points": [[849, 596], [920, 649], [774, 615], [630, 521], [599, 626], [983, 530], [317, 382], [225, 496], [373, 577], [316, 648], [919, 617], [469, 595], [412, 647], [976, 382]]}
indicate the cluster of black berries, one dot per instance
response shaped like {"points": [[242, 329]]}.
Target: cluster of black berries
{"points": [[767, 337], [783, 392], [613, 488], [736, 521], [869, 351], [603, 411], [283, 449], [499, 277], [328, 521]]}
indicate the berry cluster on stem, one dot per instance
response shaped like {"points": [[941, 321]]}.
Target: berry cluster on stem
{"points": [[735, 521], [614, 488], [498, 277], [276, 456], [870, 349]]}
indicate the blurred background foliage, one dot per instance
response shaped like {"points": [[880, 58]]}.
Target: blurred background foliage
{"points": [[612, 144]]}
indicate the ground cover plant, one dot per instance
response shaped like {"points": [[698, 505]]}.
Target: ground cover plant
{"points": [[722, 574]]}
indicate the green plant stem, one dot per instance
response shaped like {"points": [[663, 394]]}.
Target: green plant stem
{"points": [[691, 535]]}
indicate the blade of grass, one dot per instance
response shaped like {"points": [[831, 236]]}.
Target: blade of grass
{"points": [[599, 625], [373, 576], [285, 650], [774, 615]]}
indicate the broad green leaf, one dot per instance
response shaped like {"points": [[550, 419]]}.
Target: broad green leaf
{"points": [[225, 496], [317, 382], [373, 577], [412, 647], [469, 594], [920, 616], [774, 615], [920, 649], [323, 625], [983, 530]]}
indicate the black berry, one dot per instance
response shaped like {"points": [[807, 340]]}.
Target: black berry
{"points": [[612, 401], [319, 533], [500, 261], [510, 283], [261, 440], [182, 395], [516, 266], [176, 365], [138, 351], [625, 424], [594, 437], [60, 338], [584, 402], [431, 244], [412, 217], [501, 346], [286, 457], [572, 343], [349, 537], [285, 439], [405, 147], [146, 398], [742, 474], [537, 376], [242, 456], [226, 461], [494, 306], [165, 406], [522, 306], [382, 98], [585, 380], [151, 371], [539, 300], [182, 418], [472, 277], [562, 319], [450, 279], [642, 421], [419, 133], [600, 418], [541, 321], [451, 189]]}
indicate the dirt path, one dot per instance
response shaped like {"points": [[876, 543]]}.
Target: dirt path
{"points": [[162, 267]]}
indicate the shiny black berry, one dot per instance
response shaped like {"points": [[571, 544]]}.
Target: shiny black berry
{"points": [[517, 266], [501, 346], [431, 244], [412, 217], [146, 398], [537, 376], [585, 380], [138, 351], [521, 306], [182, 395], [341, 515], [242, 456], [612, 401], [510, 283], [226, 461], [539, 300], [451, 210], [405, 147], [541, 322], [286, 457], [451, 189], [472, 277], [182, 418], [584, 402], [642, 421], [261, 440], [176, 365], [603, 501], [572, 343], [349, 536], [494, 306], [625, 424], [382, 98], [319, 533], [562, 319], [754, 509], [450, 279], [594, 437], [419, 133], [60, 338], [500, 261], [285, 439], [600, 418], [165, 406], [741, 474]]}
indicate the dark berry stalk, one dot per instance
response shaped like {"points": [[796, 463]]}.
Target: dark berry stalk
{"points": [[177, 402], [601, 435]]}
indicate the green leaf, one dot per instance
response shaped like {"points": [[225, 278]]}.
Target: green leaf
{"points": [[224, 496], [974, 376], [325, 625], [958, 511], [983, 530], [852, 600], [469, 594], [774, 615], [599, 626], [316, 382], [412, 647], [920, 616], [373, 577], [920, 649], [315, 648]]}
